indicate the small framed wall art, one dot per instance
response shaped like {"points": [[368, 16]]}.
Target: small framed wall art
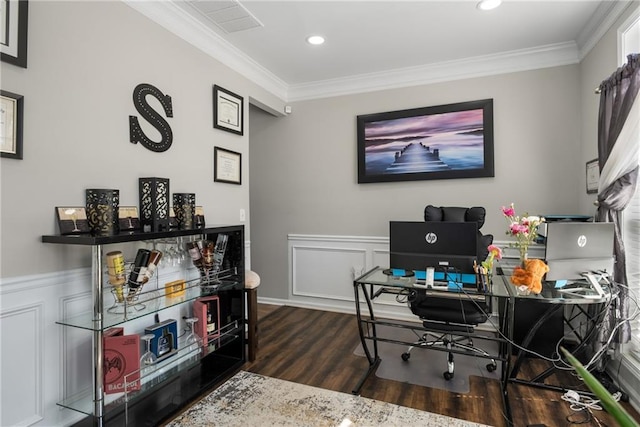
{"points": [[128, 218], [593, 176], [228, 110], [72, 220], [227, 166], [11, 111], [13, 38]]}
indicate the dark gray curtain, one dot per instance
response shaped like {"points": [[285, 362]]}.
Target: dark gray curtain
{"points": [[617, 95]]}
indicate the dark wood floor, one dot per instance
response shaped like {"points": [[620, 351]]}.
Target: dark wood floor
{"points": [[316, 348]]}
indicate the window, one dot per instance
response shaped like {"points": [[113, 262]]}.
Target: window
{"points": [[630, 43]]}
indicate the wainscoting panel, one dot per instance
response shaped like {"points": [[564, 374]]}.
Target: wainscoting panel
{"points": [[76, 347], [22, 361], [325, 271]]}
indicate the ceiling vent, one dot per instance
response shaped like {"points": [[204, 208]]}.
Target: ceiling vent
{"points": [[230, 16]]}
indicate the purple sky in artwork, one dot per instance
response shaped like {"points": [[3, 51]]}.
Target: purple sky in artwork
{"points": [[424, 126]]}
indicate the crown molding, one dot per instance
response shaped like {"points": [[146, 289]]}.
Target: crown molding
{"points": [[600, 22], [480, 66], [175, 19]]}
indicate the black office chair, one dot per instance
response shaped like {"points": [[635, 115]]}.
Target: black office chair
{"points": [[445, 317], [459, 214]]}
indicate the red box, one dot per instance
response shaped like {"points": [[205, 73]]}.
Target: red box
{"points": [[200, 311], [121, 358]]}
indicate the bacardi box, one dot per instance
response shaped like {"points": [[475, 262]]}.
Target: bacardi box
{"points": [[121, 359], [165, 338], [207, 310]]}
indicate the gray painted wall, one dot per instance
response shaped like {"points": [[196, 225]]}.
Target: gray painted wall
{"points": [[304, 166], [85, 58]]}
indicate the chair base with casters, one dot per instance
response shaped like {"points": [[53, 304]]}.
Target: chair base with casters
{"points": [[448, 340], [449, 323]]}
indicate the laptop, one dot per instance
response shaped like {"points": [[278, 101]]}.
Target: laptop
{"points": [[573, 248]]}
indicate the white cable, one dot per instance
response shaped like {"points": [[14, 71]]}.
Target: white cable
{"points": [[578, 402]]}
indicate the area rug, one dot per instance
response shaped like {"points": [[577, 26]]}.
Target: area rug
{"points": [[249, 399], [426, 367]]}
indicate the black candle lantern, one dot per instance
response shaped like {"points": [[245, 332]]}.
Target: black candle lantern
{"points": [[102, 211], [184, 208], [154, 204]]}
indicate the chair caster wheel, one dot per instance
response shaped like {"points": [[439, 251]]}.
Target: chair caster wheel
{"points": [[447, 375], [491, 367], [405, 356]]}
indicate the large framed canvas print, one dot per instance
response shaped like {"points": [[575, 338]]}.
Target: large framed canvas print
{"points": [[438, 142]]}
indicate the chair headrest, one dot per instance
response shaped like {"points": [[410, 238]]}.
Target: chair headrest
{"points": [[455, 214]]}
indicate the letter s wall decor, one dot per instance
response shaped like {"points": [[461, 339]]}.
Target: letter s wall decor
{"points": [[153, 117]]}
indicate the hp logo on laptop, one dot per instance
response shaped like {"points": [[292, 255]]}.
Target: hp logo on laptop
{"points": [[582, 241], [431, 238]]}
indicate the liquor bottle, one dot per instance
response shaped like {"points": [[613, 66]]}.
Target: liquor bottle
{"points": [[154, 259], [211, 323], [138, 270], [196, 257], [115, 267], [165, 342], [221, 247]]}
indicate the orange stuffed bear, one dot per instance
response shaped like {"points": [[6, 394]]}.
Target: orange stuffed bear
{"points": [[531, 275]]}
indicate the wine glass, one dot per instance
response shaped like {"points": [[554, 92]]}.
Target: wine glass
{"points": [[193, 342], [148, 359]]}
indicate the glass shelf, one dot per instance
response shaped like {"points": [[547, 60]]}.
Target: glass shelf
{"points": [[167, 369], [148, 302]]}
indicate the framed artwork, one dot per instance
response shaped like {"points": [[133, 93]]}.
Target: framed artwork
{"points": [[72, 220], [228, 110], [128, 218], [14, 15], [11, 111], [439, 142], [227, 166], [593, 176]]}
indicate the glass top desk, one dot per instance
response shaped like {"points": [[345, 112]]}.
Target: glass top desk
{"points": [[375, 283], [582, 319]]}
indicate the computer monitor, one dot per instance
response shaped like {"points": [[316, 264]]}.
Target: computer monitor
{"points": [[450, 246], [573, 248]]}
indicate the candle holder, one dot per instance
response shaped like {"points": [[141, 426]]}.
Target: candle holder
{"points": [[154, 204], [184, 208], [102, 211]]}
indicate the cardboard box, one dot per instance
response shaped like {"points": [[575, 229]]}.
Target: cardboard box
{"points": [[165, 341], [121, 358], [200, 311]]}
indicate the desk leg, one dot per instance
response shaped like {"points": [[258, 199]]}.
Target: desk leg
{"points": [[507, 331], [374, 359]]}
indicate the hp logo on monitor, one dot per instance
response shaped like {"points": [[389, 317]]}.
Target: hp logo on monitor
{"points": [[582, 241], [431, 238]]}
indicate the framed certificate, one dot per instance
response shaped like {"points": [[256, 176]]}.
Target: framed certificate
{"points": [[11, 109], [227, 166], [593, 176], [228, 110], [13, 37]]}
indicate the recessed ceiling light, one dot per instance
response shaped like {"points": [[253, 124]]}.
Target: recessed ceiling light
{"points": [[315, 40], [488, 4]]}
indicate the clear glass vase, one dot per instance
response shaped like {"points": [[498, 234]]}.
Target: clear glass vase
{"points": [[523, 255]]}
